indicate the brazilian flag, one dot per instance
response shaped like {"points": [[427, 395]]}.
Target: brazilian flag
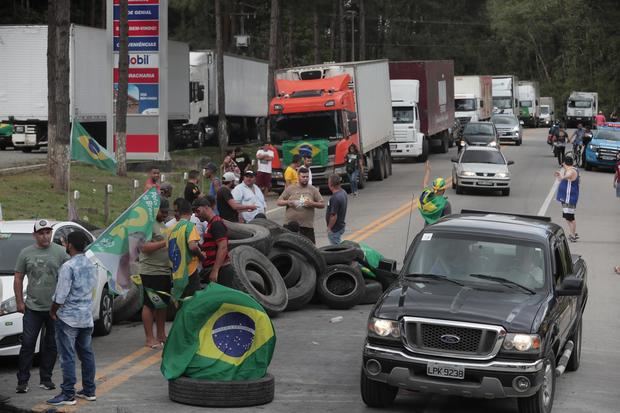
{"points": [[318, 148], [84, 148], [6, 129], [179, 256], [219, 334], [431, 205]]}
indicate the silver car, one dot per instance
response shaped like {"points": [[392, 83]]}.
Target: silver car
{"points": [[481, 167], [508, 128]]}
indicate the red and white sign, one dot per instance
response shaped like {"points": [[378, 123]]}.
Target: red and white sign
{"points": [[139, 28], [140, 75], [134, 2], [140, 60], [141, 143]]}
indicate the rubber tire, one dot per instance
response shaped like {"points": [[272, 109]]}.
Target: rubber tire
{"points": [[247, 234], [244, 258], [305, 247], [286, 263], [575, 358], [386, 163], [425, 150], [274, 228], [519, 142], [506, 192], [372, 292], [376, 394], [334, 299], [379, 166], [211, 393], [302, 292], [587, 166], [26, 150], [459, 189], [103, 326], [342, 253], [444, 144], [534, 404], [128, 306]]}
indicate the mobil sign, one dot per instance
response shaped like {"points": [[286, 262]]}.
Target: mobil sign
{"points": [[141, 60]]}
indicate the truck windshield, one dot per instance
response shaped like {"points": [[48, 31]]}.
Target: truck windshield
{"points": [[502, 103], [402, 115], [544, 110], [463, 257], [312, 125], [463, 105], [583, 104], [525, 103]]}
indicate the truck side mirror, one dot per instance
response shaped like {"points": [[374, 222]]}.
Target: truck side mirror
{"points": [[571, 286], [510, 162], [353, 126]]}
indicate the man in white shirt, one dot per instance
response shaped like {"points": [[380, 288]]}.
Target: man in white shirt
{"points": [[247, 193], [264, 156]]}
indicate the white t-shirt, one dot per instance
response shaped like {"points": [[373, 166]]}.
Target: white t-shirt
{"points": [[246, 196], [201, 227], [264, 165]]}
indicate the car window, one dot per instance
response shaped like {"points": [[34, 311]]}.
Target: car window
{"points": [[473, 156], [10, 247], [63, 232], [479, 129], [505, 120], [567, 259], [608, 134]]}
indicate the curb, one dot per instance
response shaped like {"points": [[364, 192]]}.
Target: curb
{"points": [[19, 169]]}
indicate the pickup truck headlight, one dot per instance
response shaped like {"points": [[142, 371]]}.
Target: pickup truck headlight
{"points": [[521, 343], [382, 328], [8, 306], [493, 143], [468, 173], [593, 147]]}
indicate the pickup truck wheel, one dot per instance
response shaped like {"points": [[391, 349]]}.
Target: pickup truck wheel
{"points": [[506, 192], [575, 357], [376, 394], [588, 166], [542, 401]]}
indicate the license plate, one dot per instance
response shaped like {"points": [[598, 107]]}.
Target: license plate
{"points": [[482, 183], [451, 371]]}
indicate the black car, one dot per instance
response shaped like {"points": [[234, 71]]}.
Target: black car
{"points": [[480, 134], [487, 305]]}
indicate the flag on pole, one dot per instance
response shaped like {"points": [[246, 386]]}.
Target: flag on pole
{"points": [[119, 246], [84, 148], [219, 334]]}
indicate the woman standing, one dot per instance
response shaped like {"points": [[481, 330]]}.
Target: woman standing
{"points": [[354, 167], [229, 164]]}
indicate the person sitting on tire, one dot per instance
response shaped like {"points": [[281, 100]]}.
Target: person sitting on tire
{"points": [[216, 262], [432, 203]]}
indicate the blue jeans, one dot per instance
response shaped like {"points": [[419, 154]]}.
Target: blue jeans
{"points": [[353, 180], [335, 237], [71, 340], [33, 322]]}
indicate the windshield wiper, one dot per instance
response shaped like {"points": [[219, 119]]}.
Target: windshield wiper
{"points": [[502, 280], [434, 277]]}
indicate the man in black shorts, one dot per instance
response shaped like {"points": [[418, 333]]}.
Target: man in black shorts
{"points": [[155, 272]]}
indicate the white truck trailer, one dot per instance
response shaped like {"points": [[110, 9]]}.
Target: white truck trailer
{"points": [[506, 94], [473, 98], [529, 103]]}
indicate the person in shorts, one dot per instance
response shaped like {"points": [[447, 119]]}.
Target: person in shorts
{"points": [[264, 156], [568, 195]]}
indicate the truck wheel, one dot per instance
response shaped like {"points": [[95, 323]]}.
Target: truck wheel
{"points": [[444, 143], [376, 394], [386, 163], [575, 357], [424, 156], [505, 191], [542, 401], [26, 150], [389, 162]]}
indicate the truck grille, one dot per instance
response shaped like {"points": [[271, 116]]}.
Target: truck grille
{"points": [[608, 153], [485, 174], [452, 338]]}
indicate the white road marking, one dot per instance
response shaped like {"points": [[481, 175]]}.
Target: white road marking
{"points": [[543, 208], [275, 209]]}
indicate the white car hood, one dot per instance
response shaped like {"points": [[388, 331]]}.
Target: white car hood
{"points": [[6, 287], [483, 167]]}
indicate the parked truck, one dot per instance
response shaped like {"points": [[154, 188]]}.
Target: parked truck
{"points": [[323, 109], [529, 103], [506, 94], [245, 84], [473, 98], [422, 107], [23, 82], [547, 111], [581, 107]]}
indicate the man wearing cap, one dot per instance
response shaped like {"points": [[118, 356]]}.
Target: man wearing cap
{"points": [[247, 193], [264, 157], [40, 263], [432, 202], [227, 206]]}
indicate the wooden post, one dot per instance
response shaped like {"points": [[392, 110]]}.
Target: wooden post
{"points": [[106, 204], [136, 185]]}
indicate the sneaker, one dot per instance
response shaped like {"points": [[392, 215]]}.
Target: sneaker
{"points": [[62, 400], [47, 385], [22, 388], [572, 239], [83, 395], [576, 236]]}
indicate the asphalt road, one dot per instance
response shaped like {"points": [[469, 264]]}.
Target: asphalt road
{"points": [[10, 158], [317, 363]]}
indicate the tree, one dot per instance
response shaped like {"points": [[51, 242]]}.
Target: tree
{"points": [[222, 125], [362, 9], [122, 93], [63, 126], [273, 46], [51, 87], [316, 57], [341, 30]]}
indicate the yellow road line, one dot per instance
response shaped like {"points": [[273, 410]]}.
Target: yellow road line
{"points": [[376, 222], [127, 374]]}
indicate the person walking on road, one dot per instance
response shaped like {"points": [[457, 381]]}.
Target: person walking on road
{"points": [[300, 200], [155, 273], [72, 314], [559, 145], [568, 195], [432, 203], [336, 212], [228, 207], [153, 179], [600, 119], [192, 191], [264, 156], [354, 167], [40, 263], [248, 194], [291, 172]]}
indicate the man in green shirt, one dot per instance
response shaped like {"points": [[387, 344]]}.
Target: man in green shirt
{"points": [[40, 263], [155, 272]]}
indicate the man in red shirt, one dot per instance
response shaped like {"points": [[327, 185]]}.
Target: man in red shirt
{"points": [[600, 119]]}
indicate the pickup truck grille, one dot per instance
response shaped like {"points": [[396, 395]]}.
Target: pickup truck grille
{"points": [[452, 338]]}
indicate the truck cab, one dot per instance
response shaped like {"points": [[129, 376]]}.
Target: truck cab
{"points": [[408, 141], [29, 136], [581, 107]]}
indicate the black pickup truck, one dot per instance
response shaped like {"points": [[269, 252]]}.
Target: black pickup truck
{"points": [[487, 305]]}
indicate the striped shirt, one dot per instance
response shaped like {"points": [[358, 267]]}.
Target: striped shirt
{"points": [[216, 231]]}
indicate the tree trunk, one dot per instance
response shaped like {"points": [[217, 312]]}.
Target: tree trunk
{"points": [[222, 125], [63, 126], [103, 14], [273, 46], [316, 35], [289, 41], [51, 88], [341, 30], [332, 32], [232, 17], [121, 97], [93, 6], [362, 52]]}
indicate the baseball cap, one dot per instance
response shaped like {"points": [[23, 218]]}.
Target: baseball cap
{"points": [[248, 173], [229, 177], [211, 166], [42, 224]]}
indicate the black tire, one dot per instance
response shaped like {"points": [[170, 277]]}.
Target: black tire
{"points": [[26, 150], [302, 292], [211, 393], [536, 403], [303, 246], [386, 163], [459, 189], [519, 142], [273, 296], [341, 287], [274, 228], [376, 394], [444, 144], [128, 306], [247, 234], [506, 192], [378, 166], [342, 253], [103, 326], [575, 357], [372, 292], [287, 264], [425, 149]]}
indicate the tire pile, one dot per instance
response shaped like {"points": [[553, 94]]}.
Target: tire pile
{"points": [[284, 271]]}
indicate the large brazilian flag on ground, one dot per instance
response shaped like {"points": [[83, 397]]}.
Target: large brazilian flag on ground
{"points": [[219, 334], [84, 148]]}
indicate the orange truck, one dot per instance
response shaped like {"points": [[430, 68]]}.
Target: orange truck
{"points": [[323, 109]]}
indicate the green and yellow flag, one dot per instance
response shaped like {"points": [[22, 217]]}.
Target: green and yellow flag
{"points": [[431, 205], [179, 256], [84, 148], [219, 334], [6, 129]]}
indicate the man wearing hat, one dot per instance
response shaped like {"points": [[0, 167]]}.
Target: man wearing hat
{"points": [[432, 203], [248, 193], [227, 206], [40, 263]]}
